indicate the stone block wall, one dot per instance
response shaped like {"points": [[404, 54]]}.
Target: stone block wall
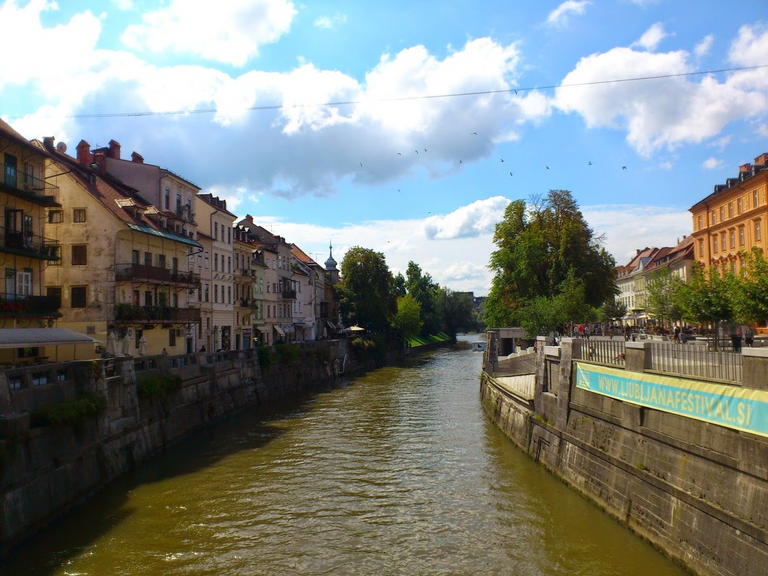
{"points": [[696, 490]]}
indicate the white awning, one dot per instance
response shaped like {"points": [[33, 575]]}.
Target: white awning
{"points": [[263, 329], [279, 330], [31, 337]]}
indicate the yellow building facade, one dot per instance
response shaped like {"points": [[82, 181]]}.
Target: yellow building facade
{"points": [[732, 220]]}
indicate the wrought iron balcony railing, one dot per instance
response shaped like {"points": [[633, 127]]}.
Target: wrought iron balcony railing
{"points": [[155, 274], [288, 294], [31, 188], [28, 244], [18, 306], [127, 313]]}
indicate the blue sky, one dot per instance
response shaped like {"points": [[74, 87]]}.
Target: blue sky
{"points": [[297, 169]]}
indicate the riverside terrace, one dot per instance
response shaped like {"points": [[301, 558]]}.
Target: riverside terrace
{"points": [[682, 461]]}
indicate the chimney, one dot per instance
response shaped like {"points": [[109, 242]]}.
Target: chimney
{"points": [[84, 156], [137, 158], [761, 160], [101, 162], [745, 167], [114, 149], [48, 142], [638, 252], [249, 218]]}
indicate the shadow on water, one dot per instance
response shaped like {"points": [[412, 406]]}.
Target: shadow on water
{"points": [[75, 532]]}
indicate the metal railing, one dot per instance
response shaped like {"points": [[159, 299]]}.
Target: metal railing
{"points": [[28, 187], [28, 244], [143, 272], [16, 306], [147, 314], [603, 351], [696, 361], [288, 294]]}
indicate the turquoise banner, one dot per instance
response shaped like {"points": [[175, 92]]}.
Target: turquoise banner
{"points": [[732, 406]]}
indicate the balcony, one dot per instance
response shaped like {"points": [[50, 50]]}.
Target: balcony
{"points": [[30, 188], [288, 294], [15, 306], [27, 244], [155, 274], [185, 213], [129, 314]]}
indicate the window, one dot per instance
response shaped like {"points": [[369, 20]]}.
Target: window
{"points": [[55, 259], [216, 262], [178, 204], [741, 235], [78, 297], [758, 236], [754, 199], [78, 215], [739, 206], [167, 198], [79, 255], [714, 244], [134, 256], [207, 292], [730, 209], [722, 241], [147, 258], [216, 293], [24, 282], [714, 217], [207, 260], [699, 228], [229, 235], [161, 260], [722, 213], [733, 266], [229, 263], [733, 239], [55, 216], [148, 298], [137, 337], [229, 294], [171, 337], [10, 170], [54, 292]]}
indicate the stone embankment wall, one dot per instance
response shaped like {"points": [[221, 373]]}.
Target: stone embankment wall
{"points": [[696, 490], [45, 470]]}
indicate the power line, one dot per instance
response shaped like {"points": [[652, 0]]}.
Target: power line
{"points": [[413, 98]]}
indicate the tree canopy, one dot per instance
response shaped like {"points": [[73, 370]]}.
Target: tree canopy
{"points": [[545, 249], [367, 290]]}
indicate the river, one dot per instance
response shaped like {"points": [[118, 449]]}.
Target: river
{"points": [[395, 472]]}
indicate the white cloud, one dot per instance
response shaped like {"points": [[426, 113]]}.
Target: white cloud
{"points": [[230, 32], [328, 22], [721, 142], [123, 4], [762, 130], [666, 113], [703, 47], [652, 37], [643, 2], [475, 219], [712, 163], [629, 227], [559, 16], [751, 45]]}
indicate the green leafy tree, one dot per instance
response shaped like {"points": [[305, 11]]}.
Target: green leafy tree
{"points": [[367, 290], [707, 298], [662, 296], [421, 286], [612, 310], [545, 314], [538, 245], [408, 317], [400, 285], [457, 311], [751, 289]]}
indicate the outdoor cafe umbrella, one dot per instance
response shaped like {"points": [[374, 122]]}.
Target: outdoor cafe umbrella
{"points": [[111, 344], [142, 346], [126, 344]]}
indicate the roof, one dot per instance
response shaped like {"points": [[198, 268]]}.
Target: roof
{"points": [[29, 337], [163, 234], [301, 256]]}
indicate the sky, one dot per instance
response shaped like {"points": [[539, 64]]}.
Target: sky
{"points": [[407, 127]]}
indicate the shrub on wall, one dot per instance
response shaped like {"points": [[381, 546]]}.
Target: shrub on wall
{"points": [[288, 353], [156, 385], [72, 413], [265, 358]]}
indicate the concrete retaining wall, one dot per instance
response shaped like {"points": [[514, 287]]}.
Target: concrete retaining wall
{"points": [[697, 491]]}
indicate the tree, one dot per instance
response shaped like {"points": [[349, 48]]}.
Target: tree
{"points": [[421, 286], [400, 284], [612, 310], [751, 289], [662, 299], [538, 245], [706, 299], [408, 317], [456, 311], [367, 290]]}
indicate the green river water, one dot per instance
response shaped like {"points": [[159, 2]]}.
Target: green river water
{"points": [[395, 472]]}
